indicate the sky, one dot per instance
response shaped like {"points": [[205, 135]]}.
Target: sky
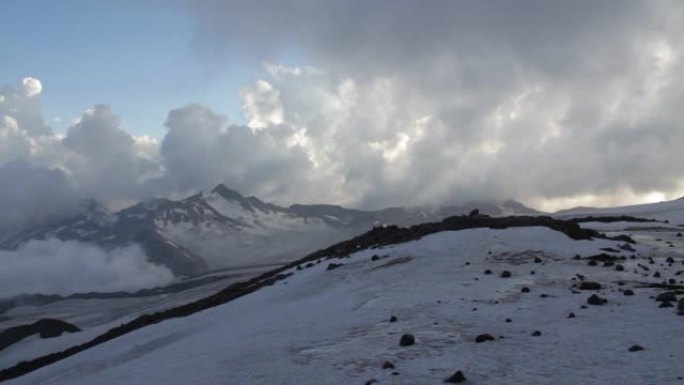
{"points": [[364, 104]]}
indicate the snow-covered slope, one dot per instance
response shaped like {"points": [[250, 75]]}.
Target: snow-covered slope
{"points": [[671, 211], [229, 230], [330, 324]]}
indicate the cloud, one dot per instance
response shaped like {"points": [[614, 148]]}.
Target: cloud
{"points": [[66, 267], [106, 161], [23, 106], [200, 149], [425, 102], [31, 87], [32, 195]]}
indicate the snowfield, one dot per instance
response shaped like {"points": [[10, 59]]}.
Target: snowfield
{"points": [[332, 326]]}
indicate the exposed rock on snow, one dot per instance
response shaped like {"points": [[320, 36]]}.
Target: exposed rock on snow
{"points": [[45, 328]]}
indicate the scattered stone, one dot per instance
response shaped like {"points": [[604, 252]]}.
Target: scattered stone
{"points": [[577, 257], [508, 320], [656, 274], [484, 338], [388, 365], [592, 263], [603, 257], [393, 319], [536, 333], [668, 296], [627, 247], [669, 260], [505, 274], [375, 257], [596, 300], [371, 381], [588, 285], [608, 264], [619, 268], [308, 265], [635, 348], [679, 234], [532, 272], [525, 289], [628, 292], [543, 295], [487, 272], [334, 266], [680, 307], [571, 315], [537, 260], [456, 378], [407, 340], [665, 304]]}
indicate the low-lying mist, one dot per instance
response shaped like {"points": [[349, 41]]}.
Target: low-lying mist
{"points": [[66, 267]]}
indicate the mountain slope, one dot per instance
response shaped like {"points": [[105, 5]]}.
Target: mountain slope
{"points": [[330, 323]]}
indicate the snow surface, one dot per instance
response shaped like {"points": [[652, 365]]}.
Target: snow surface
{"points": [[672, 211], [331, 327], [96, 316]]}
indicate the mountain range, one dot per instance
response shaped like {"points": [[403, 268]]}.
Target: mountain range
{"points": [[224, 229]]}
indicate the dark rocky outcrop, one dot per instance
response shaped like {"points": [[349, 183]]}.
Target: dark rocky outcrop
{"points": [[456, 378], [334, 266], [484, 338], [596, 300], [603, 257], [407, 340], [45, 328], [588, 285], [668, 296]]}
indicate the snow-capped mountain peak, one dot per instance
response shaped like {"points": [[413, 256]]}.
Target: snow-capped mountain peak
{"points": [[224, 228]]}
